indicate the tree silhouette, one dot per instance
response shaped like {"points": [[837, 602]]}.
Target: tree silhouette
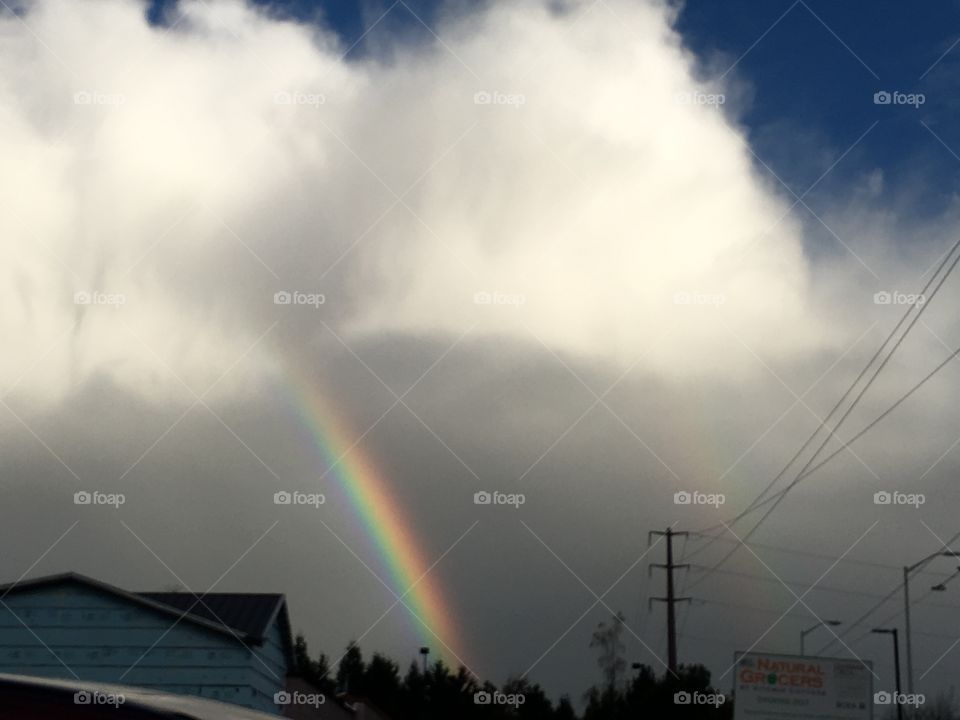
{"points": [[315, 672], [536, 705], [607, 639], [565, 710], [441, 694], [381, 684], [350, 670]]}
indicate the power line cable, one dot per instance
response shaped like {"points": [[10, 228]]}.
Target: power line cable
{"points": [[823, 588], [779, 497], [756, 503], [823, 556], [866, 428], [859, 621]]}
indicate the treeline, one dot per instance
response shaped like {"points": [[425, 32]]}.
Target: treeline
{"points": [[623, 694], [686, 696], [437, 694], [441, 694]]}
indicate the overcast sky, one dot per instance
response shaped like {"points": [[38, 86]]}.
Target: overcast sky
{"points": [[604, 252]]}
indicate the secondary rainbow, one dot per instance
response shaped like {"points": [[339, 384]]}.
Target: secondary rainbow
{"points": [[381, 514]]}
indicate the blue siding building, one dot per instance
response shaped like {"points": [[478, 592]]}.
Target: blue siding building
{"points": [[230, 647]]}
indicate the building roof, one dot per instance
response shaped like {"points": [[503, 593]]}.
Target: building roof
{"points": [[250, 614], [243, 616]]}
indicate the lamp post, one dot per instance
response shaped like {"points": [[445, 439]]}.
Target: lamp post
{"points": [[804, 633], [896, 666], [907, 569], [942, 586]]}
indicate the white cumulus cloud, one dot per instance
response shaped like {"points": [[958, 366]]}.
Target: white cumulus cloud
{"points": [[562, 174]]}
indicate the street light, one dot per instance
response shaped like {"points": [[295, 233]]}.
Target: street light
{"points": [[424, 651], [896, 666], [907, 569], [942, 586], [804, 633]]}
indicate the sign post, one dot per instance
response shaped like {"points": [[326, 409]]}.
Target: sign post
{"points": [[792, 687]]}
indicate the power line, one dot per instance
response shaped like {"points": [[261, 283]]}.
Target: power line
{"points": [[713, 641], [809, 467], [776, 496], [734, 642], [821, 556], [899, 612], [806, 616], [870, 425], [859, 621], [683, 585], [824, 588], [790, 614], [797, 583], [883, 599], [756, 503], [806, 471]]}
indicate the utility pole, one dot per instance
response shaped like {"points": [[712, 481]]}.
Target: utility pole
{"points": [[671, 599], [906, 613]]}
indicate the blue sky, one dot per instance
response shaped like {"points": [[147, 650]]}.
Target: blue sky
{"points": [[814, 74]]}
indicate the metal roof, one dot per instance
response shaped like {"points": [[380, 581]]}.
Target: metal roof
{"points": [[249, 614]]}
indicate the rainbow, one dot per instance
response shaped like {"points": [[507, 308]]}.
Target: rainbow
{"points": [[381, 515]]}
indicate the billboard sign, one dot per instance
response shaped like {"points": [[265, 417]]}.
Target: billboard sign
{"points": [[784, 687]]}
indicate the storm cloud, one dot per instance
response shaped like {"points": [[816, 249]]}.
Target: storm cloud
{"points": [[547, 224]]}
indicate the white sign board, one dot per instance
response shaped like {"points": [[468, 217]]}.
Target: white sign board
{"points": [[782, 687]]}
